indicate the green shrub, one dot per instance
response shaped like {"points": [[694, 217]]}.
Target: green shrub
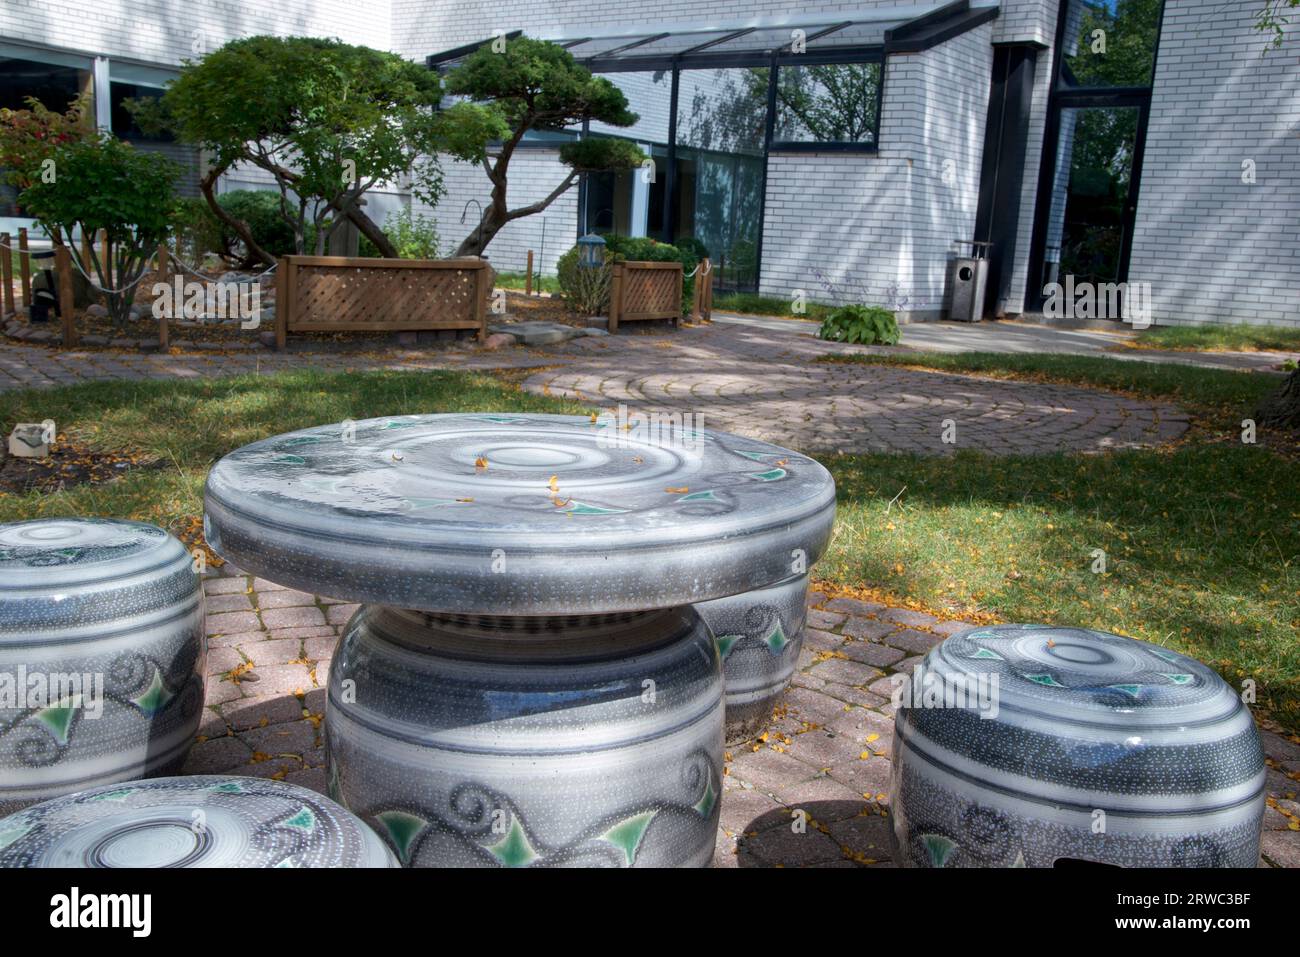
{"points": [[414, 237], [260, 209], [585, 289], [105, 184], [197, 231], [860, 324]]}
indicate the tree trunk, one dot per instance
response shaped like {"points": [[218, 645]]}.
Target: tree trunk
{"points": [[371, 231], [1281, 410], [207, 184], [496, 216]]}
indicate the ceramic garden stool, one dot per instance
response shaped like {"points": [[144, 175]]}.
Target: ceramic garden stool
{"points": [[193, 821], [528, 682], [1026, 745], [102, 653], [759, 635]]}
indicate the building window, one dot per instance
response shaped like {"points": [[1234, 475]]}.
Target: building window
{"points": [[827, 103]]}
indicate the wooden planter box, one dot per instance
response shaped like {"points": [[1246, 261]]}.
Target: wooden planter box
{"points": [[642, 290], [342, 294]]}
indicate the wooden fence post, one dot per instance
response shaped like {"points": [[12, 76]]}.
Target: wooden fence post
{"points": [[7, 274], [163, 277], [283, 302], [67, 301], [615, 296], [528, 280], [25, 268], [706, 292], [482, 291]]}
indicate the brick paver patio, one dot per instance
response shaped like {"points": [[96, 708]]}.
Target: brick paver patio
{"points": [[826, 751], [755, 381], [763, 383]]}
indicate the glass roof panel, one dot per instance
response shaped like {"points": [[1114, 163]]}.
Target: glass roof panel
{"points": [[599, 46], [676, 43], [767, 39]]}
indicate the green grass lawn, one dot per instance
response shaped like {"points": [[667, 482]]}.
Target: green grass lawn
{"points": [[751, 303], [1222, 338], [516, 280], [1201, 540]]}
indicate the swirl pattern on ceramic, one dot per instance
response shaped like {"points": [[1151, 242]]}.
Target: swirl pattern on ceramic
{"points": [[517, 514], [1021, 745], [540, 742], [198, 821], [759, 635], [102, 654]]}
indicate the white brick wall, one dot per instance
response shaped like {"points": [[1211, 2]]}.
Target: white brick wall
{"points": [[533, 174], [882, 227], [1213, 248], [1025, 21], [162, 31]]}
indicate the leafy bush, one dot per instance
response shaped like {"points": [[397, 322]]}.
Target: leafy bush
{"points": [[260, 209], [585, 289], [860, 324], [694, 246], [414, 237], [105, 184], [197, 231], [30, 137]]}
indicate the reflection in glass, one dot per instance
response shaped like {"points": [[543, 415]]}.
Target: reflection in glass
{"points": [[834, 103], [1110, 43], [718, 187], [1087, 227]]}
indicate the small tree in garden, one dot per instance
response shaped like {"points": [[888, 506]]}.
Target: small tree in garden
{"points": [[105, 184], [28, 138], [327, 120], [530, 85]]}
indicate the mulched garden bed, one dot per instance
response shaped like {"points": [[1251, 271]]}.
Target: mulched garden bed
{"points": [[67, 465]]}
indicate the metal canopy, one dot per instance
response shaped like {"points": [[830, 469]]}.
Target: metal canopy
{"points": [[847, 37]]}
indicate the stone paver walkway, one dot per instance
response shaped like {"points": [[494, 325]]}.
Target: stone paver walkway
{"points": [[752, 380], [1028, 338], [826, 751], [763, 383]]}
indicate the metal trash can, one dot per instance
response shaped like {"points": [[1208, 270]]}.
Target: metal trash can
{"points": [[967, 277]]}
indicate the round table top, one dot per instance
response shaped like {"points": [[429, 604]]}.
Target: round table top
{"points": [[64, 575], [518, 514], [196, 821]]}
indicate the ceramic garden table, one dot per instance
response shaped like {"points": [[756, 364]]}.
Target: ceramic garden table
{"points": [[528, 681]]}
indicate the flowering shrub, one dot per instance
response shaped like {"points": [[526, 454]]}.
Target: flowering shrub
{"points": [[28, 138]]}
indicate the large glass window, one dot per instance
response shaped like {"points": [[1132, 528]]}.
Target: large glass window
{"points": [[1109, 43], [827, 103], [718, 181]]}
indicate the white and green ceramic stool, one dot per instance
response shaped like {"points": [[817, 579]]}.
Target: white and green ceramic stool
{"points": [[528, 683], [759, 635], [102, 653], [195, 821], [1027, 745]]}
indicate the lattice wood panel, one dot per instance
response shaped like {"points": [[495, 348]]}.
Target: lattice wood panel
{"points": [[338, 294], [645, 290]]}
